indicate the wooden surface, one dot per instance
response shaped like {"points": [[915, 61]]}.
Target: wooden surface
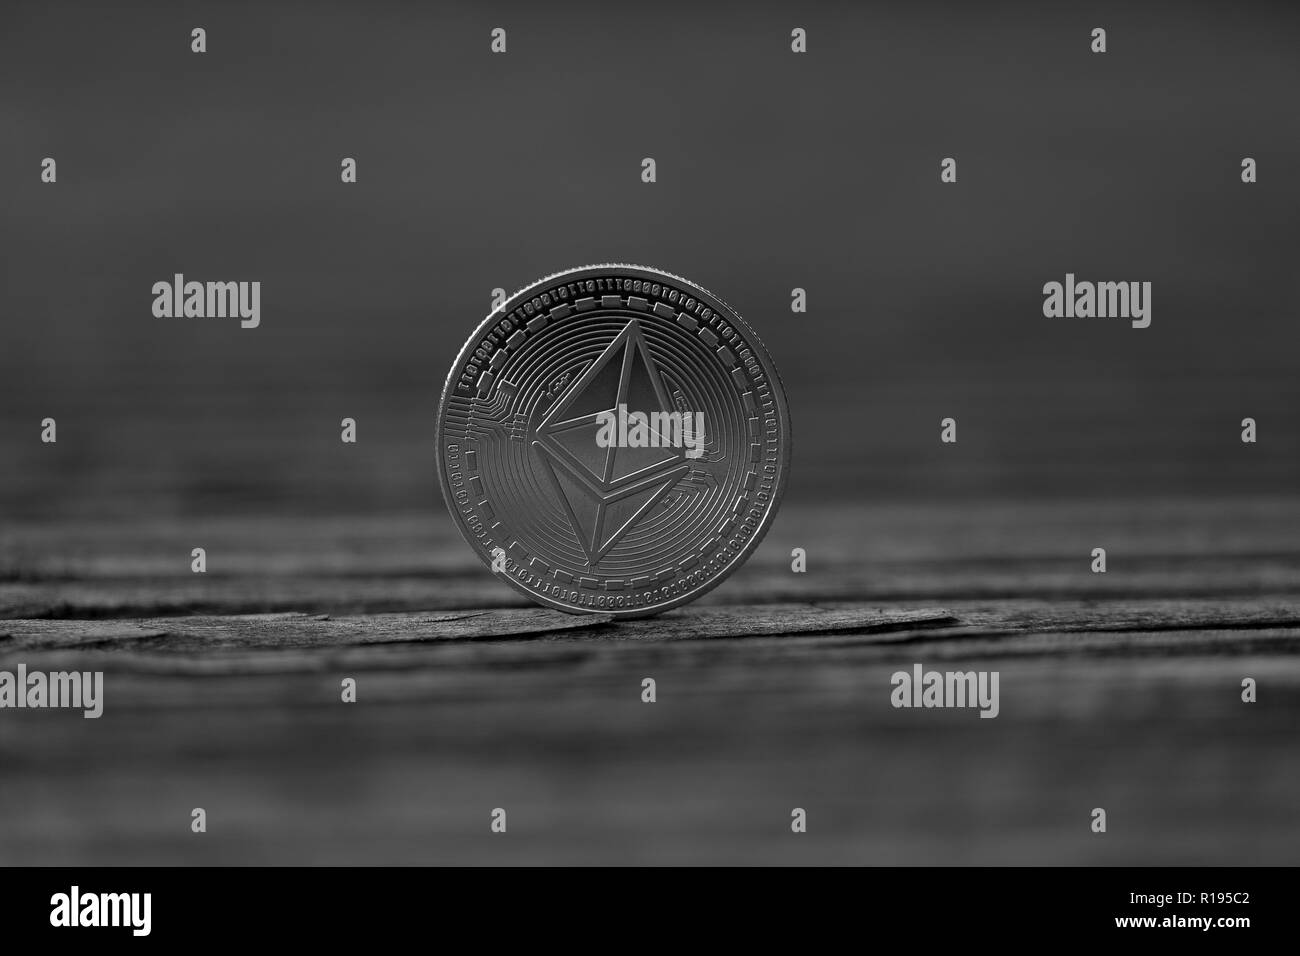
{"points": [[1119, 691]]}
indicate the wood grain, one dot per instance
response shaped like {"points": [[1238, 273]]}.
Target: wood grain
{"points": [[223, 691]]}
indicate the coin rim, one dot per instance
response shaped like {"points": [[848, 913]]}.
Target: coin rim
{"points": [[778, 488]]}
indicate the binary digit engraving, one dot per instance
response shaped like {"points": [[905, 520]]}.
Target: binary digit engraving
{"points": [[618, 435]]}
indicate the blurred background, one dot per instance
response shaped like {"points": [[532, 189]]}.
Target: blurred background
{"points": [[775, 171]]}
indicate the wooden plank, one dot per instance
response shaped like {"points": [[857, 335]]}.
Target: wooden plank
{"points": [[201, 634], [709, 773], [1119, 690], [285, 643], [885, 553]]}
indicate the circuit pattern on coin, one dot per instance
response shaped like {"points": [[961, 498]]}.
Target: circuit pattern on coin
{"points": [[582, 526]]}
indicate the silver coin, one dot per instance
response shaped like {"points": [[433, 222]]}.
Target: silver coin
{"points": [[613, 439]]}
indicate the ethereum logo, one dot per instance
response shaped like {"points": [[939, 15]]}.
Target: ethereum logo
{"points": [[605, 491]]}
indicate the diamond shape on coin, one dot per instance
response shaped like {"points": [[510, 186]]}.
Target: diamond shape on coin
{"points": [[617, 437]]}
